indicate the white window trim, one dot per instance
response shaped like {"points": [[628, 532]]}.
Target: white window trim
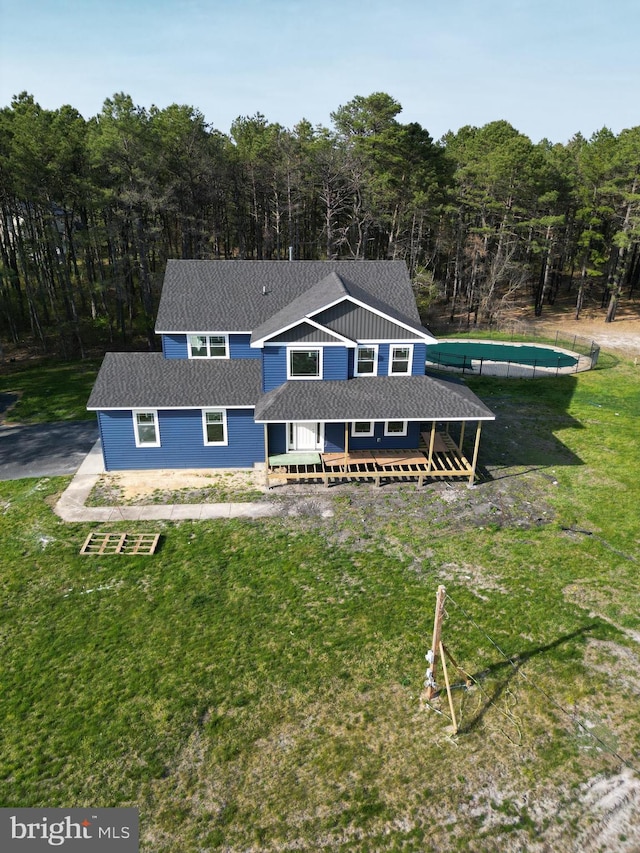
{"points": [[225, 440], [291, 350], [136, 434], [394, 434], [394, 347], [369, 434], [374, 347], [207, 335]]}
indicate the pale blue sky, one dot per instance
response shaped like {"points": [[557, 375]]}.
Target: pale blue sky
{"points": [[550, 67]]}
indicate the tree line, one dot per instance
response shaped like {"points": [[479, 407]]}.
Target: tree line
{"points": [[90, 210]]}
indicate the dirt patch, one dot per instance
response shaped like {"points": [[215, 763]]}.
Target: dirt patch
{"points": [[621, 336], [177, 486]]}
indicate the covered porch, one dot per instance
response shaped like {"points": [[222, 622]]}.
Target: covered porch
{"points": [[438, 457], [417, 428]]}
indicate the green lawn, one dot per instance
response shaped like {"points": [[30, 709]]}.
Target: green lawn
{"points": [[257, 685], [50, 391]]}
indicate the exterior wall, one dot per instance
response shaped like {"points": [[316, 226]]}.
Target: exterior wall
{"points": [[380, 441], [274, 365], [277, 438], [175, 346], [239, 347], [419, 358], [182, 443], [334, 439]]}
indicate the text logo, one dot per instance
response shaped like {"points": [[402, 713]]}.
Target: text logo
{"points": [[73, 830]]}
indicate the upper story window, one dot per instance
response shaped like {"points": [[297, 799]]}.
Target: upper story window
{"points": [[400, 360], [366, 361], [145, 428], [208, 346], [304, 364], [214, 426]]}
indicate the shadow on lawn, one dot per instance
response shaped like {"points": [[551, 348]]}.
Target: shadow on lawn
{"points": [[510, 668], [524, 436]]}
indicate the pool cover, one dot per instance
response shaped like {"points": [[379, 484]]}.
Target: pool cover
{"points": [[462, 353]]}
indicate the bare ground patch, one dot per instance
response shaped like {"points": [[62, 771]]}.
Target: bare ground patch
{"points": [[177, 486]]}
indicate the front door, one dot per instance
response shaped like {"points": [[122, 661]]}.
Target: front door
{"points": [[305, 436]]}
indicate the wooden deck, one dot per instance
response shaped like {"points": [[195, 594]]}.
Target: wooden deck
{"points": [[446, 462]]}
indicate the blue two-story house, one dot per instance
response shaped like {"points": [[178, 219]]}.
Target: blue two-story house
{"points": [[287, 363]]}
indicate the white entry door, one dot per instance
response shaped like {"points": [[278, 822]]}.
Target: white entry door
{"points": [[306, 436]]}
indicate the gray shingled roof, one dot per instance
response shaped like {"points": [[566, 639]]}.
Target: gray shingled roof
{"points": [[149, 380], [228, 296], [326, 292], [416, 398]]}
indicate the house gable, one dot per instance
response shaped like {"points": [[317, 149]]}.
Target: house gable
{"points": [[360, 323], [347, 310], [310, 332]]}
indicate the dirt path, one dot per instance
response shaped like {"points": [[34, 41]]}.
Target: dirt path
{"points": [[623, 335]]}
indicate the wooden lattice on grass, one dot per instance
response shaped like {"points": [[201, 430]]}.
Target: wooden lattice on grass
{"points": [[120, 543]]}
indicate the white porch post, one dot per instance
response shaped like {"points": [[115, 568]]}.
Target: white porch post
{"points": [[266, 455]]}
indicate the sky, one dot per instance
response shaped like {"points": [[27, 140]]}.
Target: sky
{"points": [[551, 68]]}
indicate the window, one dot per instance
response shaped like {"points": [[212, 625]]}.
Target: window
{"points": [[214, 426], [395, 428], [366, 361], [400, 360], [362, 428], [304, 364], [145, 428], [208, 346]]}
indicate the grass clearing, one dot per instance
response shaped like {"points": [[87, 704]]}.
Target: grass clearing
{"points": [[257, 685], [49, 391]]}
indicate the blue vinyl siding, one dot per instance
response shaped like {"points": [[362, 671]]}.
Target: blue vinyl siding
{"points": [[334, 438], [175, 346], [419, 357], [239, 347], [335, 363], [274, 365], [380, 441], [182, 443], [277, 438], [274, 369]]}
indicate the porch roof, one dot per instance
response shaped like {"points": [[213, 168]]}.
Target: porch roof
{"points": [[411, 398]]}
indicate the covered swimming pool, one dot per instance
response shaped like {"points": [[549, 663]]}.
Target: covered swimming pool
{"points": [[498, 358]]}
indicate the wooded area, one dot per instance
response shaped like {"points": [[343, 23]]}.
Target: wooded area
{"points": [[92, 209]]}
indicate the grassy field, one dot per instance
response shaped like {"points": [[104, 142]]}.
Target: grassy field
{"points": [[257, 686]]}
